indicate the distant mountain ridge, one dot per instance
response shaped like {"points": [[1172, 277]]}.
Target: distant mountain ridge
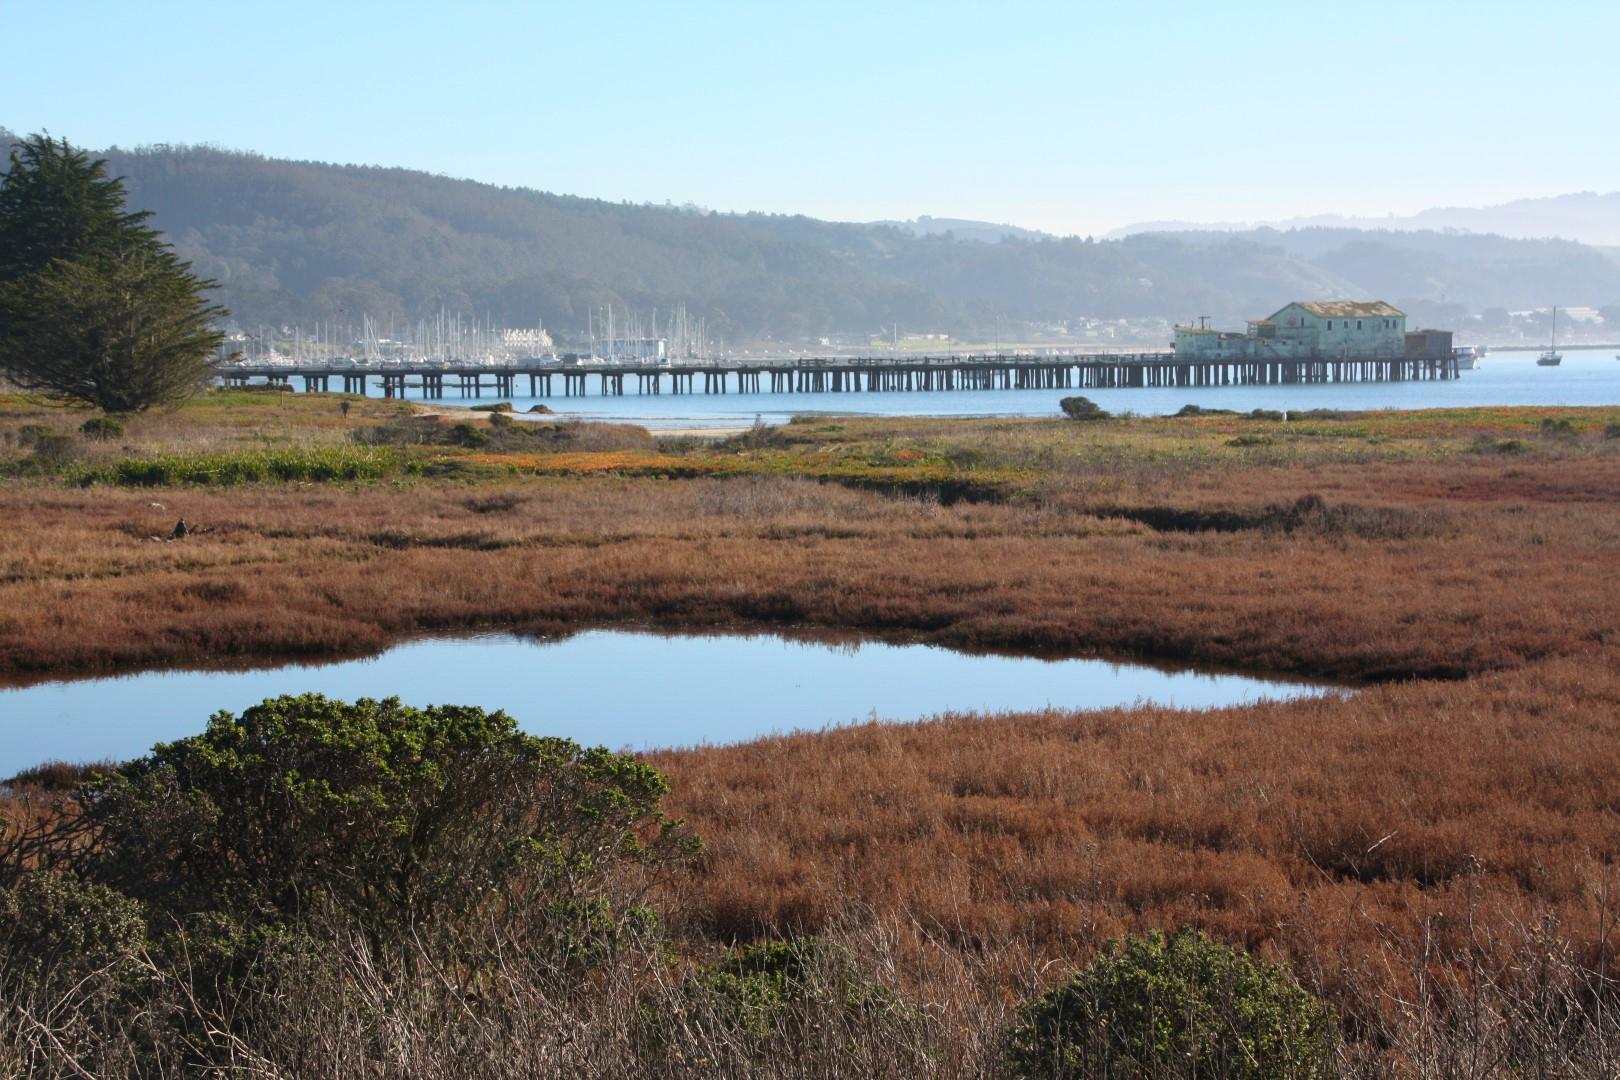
{"points": [[986, 232], [1586, 217], [293, 242]]}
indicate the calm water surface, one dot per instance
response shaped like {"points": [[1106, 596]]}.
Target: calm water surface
{"points": [[1503, 378], [624, 690]]}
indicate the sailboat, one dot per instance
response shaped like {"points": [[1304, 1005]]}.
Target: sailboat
{"points": [[1552, 357]]}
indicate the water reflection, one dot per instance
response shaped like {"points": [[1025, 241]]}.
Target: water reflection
{"points": [[616, 688]]}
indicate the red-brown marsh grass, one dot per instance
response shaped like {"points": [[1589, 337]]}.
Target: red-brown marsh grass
{"points": [[1435, 856], [1407, 570], [1378, 841]]}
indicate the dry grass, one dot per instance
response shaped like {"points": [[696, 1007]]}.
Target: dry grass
{"points": [[1435, 856], [1414, 569], [1319, 830]]}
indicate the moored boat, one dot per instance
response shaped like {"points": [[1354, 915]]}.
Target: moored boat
{"points": [[1552, 357]]}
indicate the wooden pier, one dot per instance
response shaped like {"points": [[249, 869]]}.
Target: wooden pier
{"points": [[846, 375]]}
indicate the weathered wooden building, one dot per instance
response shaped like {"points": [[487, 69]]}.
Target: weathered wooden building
{"points": [[1305, 330], [1427, 344]]}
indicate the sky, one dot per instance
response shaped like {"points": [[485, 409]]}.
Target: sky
{"points": [[1071, 117]]}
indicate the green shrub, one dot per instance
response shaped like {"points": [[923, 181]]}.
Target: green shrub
{"points": [[101, 427], [55, 451], [58, 935], [499, 420], [1251, 440], [1560, 427], [498, 407], [308, 465], [756, 986], [1195, 410], [400, 431], [1612, 431], [1080, 408], [50, 448], [29, 435], [1183, 1005], [807, 996], [1266, 414], [400, 820], [466, 434], [758, 436], [1314, 513]]}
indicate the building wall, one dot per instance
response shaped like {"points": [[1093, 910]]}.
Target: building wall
{"points": [[1299, 335], [1378, 335], [1428, 344], [1193, 343]]}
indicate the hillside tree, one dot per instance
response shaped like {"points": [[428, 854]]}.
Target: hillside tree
{"points": [[94, 305]]}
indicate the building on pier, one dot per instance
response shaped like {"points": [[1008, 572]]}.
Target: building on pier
{"points": [[1428, 344], [1304, 330]]}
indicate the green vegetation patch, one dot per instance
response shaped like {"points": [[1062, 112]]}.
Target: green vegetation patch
{"points": [[1178, 1005], [306, 464]]}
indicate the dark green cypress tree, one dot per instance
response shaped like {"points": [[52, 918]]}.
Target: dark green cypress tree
{"points": [[94, 306]]}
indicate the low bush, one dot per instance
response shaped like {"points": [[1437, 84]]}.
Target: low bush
{"points": [[201, 887], [49, 448], [468, 436], [1267, 414], [499, 502], [758, 436], [1196, 410], [1251, 440], [595, 438], [1325, 414], [56, 931], [1081, 408], [402, 431], [756, 986], [807, 1000], [1182, 1005], [306, 464], [407, 820], [1314, 514], [31, 435], [101, 428], [58, 775]]}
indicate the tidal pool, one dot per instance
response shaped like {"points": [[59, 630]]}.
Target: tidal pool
{"points": [[621, 689]]}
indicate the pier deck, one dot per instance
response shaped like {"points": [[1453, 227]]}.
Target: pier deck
{"points": [[843, 374]]}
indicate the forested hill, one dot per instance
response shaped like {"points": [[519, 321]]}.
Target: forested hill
{"points": [[298, 241]]}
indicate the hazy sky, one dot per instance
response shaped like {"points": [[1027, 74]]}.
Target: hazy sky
{"points": [[1073, 117]]}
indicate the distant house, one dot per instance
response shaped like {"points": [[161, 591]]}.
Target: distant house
{"points": [[1304, 330]]}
